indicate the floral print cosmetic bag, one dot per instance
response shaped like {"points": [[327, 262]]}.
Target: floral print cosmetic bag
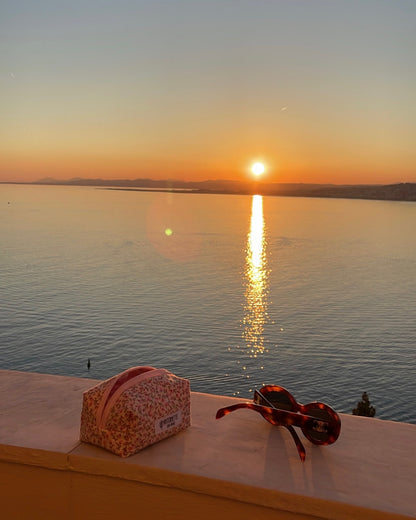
{"points": [[134, 409]]}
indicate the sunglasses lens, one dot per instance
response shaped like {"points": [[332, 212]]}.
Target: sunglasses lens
{"points": [[279, 400], [320, 431]]}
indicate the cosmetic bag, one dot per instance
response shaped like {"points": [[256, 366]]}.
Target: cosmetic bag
{"points": [[134, 409]]}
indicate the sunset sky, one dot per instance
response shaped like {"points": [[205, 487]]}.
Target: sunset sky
{"points": [[318, 90]]}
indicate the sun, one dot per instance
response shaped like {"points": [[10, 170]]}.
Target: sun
{"points": [[258, 169]]}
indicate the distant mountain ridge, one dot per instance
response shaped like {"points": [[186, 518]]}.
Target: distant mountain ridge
{"points": [[400, 192]]}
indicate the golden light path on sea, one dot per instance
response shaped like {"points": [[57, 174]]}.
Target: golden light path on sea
{"points": [[256, 278]]}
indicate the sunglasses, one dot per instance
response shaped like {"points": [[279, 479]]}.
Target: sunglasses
{"points": [[319, 422]]}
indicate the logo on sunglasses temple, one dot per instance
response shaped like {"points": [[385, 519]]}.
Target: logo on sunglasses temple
{"points": [[320, 427]]}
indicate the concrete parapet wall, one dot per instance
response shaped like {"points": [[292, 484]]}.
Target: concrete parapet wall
{"points": [[237, 467]]}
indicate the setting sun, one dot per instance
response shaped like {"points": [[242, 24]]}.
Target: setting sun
{"points": [[258, 169]]}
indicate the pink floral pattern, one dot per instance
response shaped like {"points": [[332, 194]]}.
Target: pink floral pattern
{"points": [[146, 412]]}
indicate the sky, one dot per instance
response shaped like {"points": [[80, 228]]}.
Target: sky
{"points": [[318, 90]]}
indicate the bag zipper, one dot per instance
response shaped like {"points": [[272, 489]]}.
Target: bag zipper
{"points": [[132, 377]]}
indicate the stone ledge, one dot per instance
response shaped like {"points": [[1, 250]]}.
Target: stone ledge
{"points": [[240, 461]]}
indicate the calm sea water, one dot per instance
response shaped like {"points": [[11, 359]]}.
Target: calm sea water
{"points": [[232, 292]]}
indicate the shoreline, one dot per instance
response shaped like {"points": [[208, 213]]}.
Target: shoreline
{"points": [[400, 192]]}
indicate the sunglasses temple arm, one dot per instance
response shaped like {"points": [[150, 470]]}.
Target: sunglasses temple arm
{"points": [[282, 417], [226, 410], [299, 445]]}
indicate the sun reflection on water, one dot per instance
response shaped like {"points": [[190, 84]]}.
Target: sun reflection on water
{"points": [[256, 280]]}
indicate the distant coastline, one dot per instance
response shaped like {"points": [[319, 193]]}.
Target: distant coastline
{"points": [[394, 192]]}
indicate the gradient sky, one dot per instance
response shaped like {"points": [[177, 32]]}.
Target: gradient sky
{"points": [[320, 90]]}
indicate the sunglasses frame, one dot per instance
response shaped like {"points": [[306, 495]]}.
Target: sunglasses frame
{"points": [[334, 422], [300, 415]]}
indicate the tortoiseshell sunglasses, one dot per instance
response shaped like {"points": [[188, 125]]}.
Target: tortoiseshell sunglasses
{"points": [[319, 422]]}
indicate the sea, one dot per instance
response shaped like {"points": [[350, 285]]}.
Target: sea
{"points": [[229, 291]]}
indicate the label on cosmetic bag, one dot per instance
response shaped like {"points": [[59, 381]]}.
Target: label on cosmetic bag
{"points": [[168, 422]]}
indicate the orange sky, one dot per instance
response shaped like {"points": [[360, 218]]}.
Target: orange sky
{"points": [[194, 91]]}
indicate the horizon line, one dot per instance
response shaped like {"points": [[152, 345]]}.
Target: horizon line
{"points": [[115, 181]]}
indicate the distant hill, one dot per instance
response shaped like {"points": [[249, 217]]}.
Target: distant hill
{"points": [[399, 192], [402, 191]]}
